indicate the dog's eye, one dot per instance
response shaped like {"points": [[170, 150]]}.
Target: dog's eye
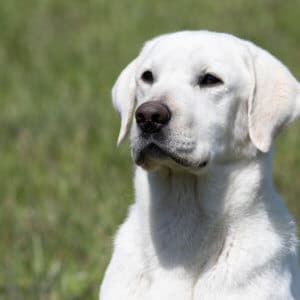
{"points": [[147, 77], [209, 80]]}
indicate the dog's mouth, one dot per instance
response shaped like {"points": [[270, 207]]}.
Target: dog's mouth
{"points": [[158, 153]]}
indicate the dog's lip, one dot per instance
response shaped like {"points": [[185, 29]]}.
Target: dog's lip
{"points": [[160, 152], [151, 147]]}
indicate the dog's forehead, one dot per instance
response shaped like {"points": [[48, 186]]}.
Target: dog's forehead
{"points": [[188, 47]]}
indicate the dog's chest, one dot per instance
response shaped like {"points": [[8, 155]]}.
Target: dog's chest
{"points": [[169, 285], [180, 283], [176, 260], [179, 243]]}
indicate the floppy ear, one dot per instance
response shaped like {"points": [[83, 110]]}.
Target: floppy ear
{"points": [[123, 98], [275, 101]]}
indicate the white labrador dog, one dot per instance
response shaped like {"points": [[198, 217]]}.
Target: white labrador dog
{"points": [[207, 222]]}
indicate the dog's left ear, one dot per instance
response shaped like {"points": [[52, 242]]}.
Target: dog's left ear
{"points": [[275, 100], [123, 98]]}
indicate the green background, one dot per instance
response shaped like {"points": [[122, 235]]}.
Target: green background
{"points": [[64, 186]]}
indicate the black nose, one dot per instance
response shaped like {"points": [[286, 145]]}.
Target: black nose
{"points": [[151, 116]]}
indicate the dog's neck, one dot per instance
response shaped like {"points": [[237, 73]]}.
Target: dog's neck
{"points": [[226, 188], [195, 212]]}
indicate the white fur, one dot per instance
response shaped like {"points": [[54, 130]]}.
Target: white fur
{"points": [[222, 231]]}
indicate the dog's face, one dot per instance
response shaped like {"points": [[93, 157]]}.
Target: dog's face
{"points": [[201, 90], [203, 98]]}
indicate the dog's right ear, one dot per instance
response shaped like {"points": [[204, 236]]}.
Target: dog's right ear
{"points": [[123, 98]]}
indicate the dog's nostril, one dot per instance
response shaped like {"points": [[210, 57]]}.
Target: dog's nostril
{"points": [[139, 117], [156, 117]]}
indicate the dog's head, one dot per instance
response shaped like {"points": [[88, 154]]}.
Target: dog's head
{"points": [[200, 97]]}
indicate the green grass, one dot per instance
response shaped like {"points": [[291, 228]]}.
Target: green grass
{"points": [[64, 187]]}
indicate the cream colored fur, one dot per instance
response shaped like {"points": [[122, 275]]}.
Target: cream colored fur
{"points": [[219, 232]]}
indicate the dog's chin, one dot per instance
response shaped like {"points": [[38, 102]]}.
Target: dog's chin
{"points": [[153, 156]]}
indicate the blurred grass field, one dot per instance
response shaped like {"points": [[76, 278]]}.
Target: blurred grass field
{"points": [[64, 186]]}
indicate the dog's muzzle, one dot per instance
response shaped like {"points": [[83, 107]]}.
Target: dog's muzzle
{"points": [[154, 143]]}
